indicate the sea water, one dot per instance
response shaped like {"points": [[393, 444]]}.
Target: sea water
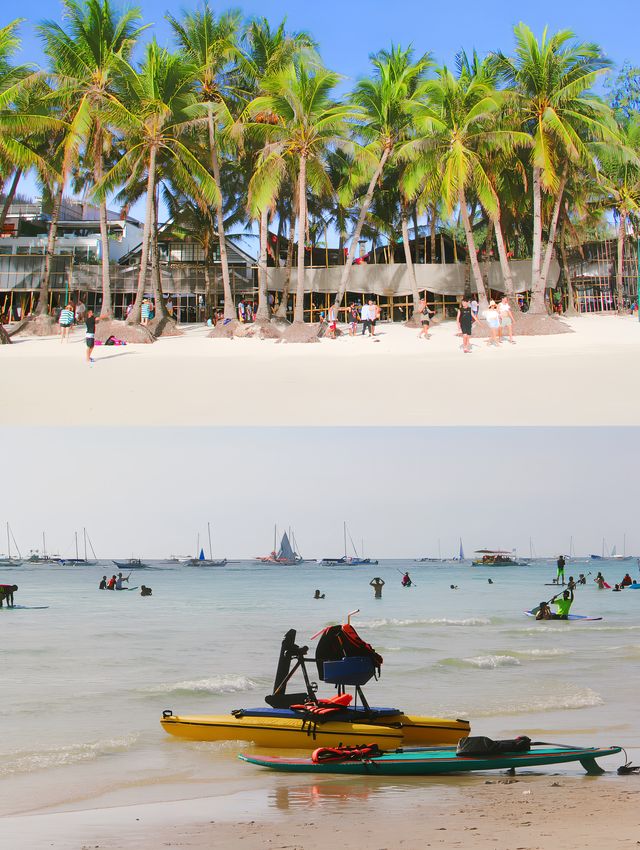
{"points": [[85, 680]]}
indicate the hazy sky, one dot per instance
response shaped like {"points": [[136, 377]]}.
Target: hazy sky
{"points": [[147, 492]]}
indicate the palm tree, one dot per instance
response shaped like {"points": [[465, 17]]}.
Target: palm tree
{"points": [[266, 51], [551, 80], [619, 179], [153, 109], [210, 44], [307, 124], [383, 118], [455, 122], [86, 59]]}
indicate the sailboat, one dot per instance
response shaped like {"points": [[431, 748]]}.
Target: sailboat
{"points": [[78, 561], [37, 557], [354, 560], [201, 560], [9, 560], [460, 555], [285, 555]]}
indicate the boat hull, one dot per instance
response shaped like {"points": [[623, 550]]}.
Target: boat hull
{"points": [[292, 733], [438, 760]]}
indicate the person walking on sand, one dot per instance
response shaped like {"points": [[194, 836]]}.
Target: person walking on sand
{"points": [[492, 318], [425, 319], [506, 320], [560, 574], [353, 319], [66, 321], [465, 319], [377, 584], [90, 334], [365, 316]]}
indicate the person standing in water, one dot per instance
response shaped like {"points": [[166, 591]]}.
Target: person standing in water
{"points": [[377, 584], [406, 580], [318, 595], [599, 580], [560, 574], [103, 583]]}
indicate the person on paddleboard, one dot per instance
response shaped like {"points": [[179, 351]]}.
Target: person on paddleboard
{"points": [[406, 580], [377, 584], [103, 583], [560, 574], [563, 606], [6, 594], [582, 579], [120, 580], [626, 581]]}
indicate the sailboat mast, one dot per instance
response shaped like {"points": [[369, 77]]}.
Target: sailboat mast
{"points": [[198, 545], [571, 547], [209, 535], [344, 532], [624, 545], [84, 539], [439, 550], [44, 546], [8, 542], [77, 556]]}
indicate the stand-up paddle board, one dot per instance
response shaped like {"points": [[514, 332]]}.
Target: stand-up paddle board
{"points": [[23, 607], [569, 617]]}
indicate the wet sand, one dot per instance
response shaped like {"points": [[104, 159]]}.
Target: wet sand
{"points": [[491, 812], [395, 379]]}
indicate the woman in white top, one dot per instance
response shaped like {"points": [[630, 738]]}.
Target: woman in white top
{"points": [[506, 319], [492, 318]]}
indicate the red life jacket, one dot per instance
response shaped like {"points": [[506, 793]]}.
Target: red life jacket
{"points": [[363, 752], [325, 706], [111, 584]]}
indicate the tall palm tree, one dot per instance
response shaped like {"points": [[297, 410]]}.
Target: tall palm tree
{"points": [[307, 123], [551, 79], [455, 122], [619, 179], [210, 44], [86, 58], [153, 110], [383, 118]]}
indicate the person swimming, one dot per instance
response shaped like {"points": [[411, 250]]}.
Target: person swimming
{"points": [[145, 591], [453, 586], [318, 595], [490, 580]]}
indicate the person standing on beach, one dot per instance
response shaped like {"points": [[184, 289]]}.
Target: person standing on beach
{"points": [[353, 320], [475, 307], [560, 574], [425, 319], [377, 584], [465, 319], [506, 319], [65, 321], [366, 319], [492, 318], [145, 312], [374, 312], [90, 334]]}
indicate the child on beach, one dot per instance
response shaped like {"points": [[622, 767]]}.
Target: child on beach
{"points": [[506, 319], [492, 318], [425, 318]]}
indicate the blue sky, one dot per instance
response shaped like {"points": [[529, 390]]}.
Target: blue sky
{"points": [[349, 31]]}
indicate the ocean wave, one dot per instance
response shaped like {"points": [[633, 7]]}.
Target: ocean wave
{"points": [[541, 653], [27, 761], [225, 684], [484, 662], [557, 701], [433, 621]]}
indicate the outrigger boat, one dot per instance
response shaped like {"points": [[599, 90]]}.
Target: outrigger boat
{"points": [[286, 556], [429, 761], [131, 564], [497, 558], [291, 720]]}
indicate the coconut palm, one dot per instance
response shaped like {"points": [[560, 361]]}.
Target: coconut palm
{"points": [[619, 179], [457, 120], [551, 79], [210, 44], [153, 111], [86, 58], [307, 124], [383, 118]]}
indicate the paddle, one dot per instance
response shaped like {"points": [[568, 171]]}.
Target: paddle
{"points": [[413, 584]]}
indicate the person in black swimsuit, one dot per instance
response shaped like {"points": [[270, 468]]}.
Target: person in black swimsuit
{"points": [[465, 319], [90, 333]]}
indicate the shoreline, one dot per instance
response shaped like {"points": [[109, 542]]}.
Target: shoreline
{"points": [[567, 379], [503, 813]]}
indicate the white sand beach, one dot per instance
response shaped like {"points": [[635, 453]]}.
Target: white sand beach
{"points": [[581, 378]]}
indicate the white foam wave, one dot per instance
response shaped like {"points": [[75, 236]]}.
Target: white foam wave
{"points": [[558, 701], [541, 653], [27, 761], [433, 621], [492, 661], [224, 684]]}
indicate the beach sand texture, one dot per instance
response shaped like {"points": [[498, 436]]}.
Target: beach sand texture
{"points": [[579, 378]]}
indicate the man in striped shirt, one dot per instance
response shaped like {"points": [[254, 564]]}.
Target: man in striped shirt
{"points": [[65, 321]]}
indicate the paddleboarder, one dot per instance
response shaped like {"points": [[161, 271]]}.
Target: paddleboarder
{"points": [[6, 594], [563, 605], [406, 580], [377, 584], [560, 574], [120, 580]]}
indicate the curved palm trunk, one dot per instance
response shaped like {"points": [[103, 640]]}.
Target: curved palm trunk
{"points": [[229, 306], [571, 299], [537, 300], [42, 308], [364, 209], [536, 248], [106, 312], [473, 253], [432, 235], [298, 310], [622, 233], [282, 307], [409, 262], [134, 316], [156, 269], [504, 264], [262, 313], [10, 196]]}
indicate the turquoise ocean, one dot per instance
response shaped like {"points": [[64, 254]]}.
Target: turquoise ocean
{"points": [[85, 679]]}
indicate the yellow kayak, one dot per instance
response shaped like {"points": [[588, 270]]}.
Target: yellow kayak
{"points": [[291, 732]]}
